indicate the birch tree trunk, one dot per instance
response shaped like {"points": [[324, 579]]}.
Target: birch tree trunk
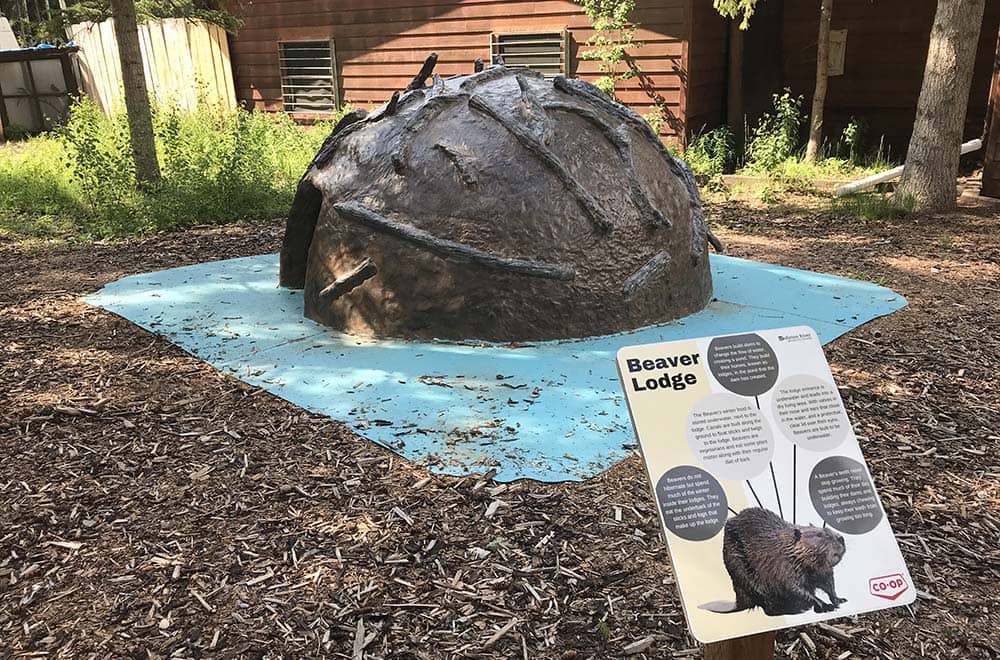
{"points": [[822, 73], [140, 119], [929, 177]]}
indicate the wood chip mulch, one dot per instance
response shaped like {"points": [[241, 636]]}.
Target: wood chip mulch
{"points": [[152, 507]]}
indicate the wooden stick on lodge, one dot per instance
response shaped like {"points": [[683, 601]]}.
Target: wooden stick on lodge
{"points": [[754, 647]]}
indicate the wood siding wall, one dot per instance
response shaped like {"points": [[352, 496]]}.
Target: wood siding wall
{"points": [[884, 63], [380, 45], [708, 64]]}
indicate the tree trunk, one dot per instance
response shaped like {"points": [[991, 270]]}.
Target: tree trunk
{"points": [[822, 73], [991, 161], [140, 119], [735, 113], [932, 158]]}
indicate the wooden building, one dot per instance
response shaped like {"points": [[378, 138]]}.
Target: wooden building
{"points": [[882, 63], [310, 56], [375, 47]]}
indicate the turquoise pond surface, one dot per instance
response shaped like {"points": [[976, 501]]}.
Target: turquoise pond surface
{"points": [[551, 411]]}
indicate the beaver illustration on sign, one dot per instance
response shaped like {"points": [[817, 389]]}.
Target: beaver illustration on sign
{"points": [[778, 566]]}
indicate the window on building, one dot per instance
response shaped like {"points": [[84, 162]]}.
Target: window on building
{"points": [[309, 77], [545, 52]]}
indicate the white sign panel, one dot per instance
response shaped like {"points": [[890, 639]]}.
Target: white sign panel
{"points": [[769, 511]]}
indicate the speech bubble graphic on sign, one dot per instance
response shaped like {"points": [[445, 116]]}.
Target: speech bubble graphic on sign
{"points": [[743, 364], [844, 496], [692, 503], [757, 549], [730, 436], [810, 413]]}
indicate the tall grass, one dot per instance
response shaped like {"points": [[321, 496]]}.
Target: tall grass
{"points": [[712, 153], [218, 166], [775, 145], [873, 206]]}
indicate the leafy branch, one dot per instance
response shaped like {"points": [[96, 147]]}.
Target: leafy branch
{"points": [[736, 9], [613, 39]]}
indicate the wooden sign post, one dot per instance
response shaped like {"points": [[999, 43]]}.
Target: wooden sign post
{"points": [[754, 647]]}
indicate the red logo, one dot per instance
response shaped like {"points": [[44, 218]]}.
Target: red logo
{"points": [[889, 587]]}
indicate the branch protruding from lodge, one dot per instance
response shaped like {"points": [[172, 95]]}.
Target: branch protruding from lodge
{"points": [[326, 151], [646, 274], [350, 281], [420, 80], [536, 147], [449, 249], [619, 137], [461, 163], [702, 235]]}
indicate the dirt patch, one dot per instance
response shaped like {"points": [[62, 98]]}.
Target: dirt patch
{"points": [[154, 507]]}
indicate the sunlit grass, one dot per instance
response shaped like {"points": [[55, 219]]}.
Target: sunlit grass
{"points": [[218, 166]]}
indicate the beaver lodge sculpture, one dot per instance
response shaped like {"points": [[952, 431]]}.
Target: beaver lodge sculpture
{"points": [[498, 206]]}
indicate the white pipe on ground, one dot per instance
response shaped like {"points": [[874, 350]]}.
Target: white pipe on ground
{"points": [[889, 175]]}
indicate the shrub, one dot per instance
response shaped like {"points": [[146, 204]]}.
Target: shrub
{"points": [[37, 193], [218, 165], [656, 117], [775, 139], [611, 41], [713, 153], [851, 143], [98, 154]]}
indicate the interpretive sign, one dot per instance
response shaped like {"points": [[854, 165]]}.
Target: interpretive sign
{"points": [[769, 511]]}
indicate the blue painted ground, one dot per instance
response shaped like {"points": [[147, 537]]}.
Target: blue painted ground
{"points": [[551, 411]]}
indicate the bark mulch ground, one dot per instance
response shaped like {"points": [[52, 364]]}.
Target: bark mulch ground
{"points": [[151, 507]]}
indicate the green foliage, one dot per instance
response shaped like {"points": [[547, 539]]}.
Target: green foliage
{"points": [[98, 153], [768, 195], [149, 10], [218, 166], [873, 206], [614, 38], [796, 169], [713, 153], [775, 144], [775, 139], [44, 25], [37, 191], [656, 117], [852, 139], [736, 9], [17, 132], [774, 151], [716, 184]]}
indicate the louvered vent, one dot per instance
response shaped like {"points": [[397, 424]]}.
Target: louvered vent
{"points": [[545, 52], [309, 77]]}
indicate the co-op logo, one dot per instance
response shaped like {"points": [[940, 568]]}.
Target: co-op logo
{"points": [[889, 587]]}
